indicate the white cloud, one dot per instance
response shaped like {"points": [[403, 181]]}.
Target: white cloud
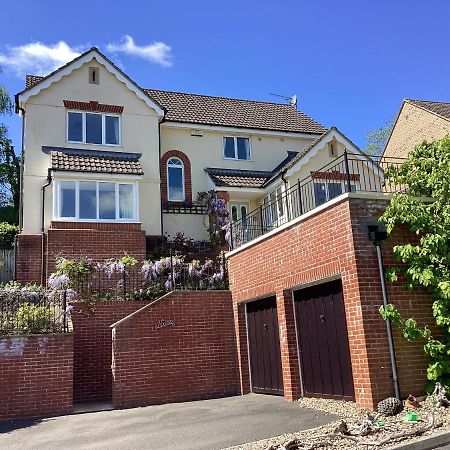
{"points": [[158, 52], [37, 58]]}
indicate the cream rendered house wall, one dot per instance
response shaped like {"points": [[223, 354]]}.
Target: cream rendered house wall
{"points": [[267, 151], [45, 124], [413, 126]]}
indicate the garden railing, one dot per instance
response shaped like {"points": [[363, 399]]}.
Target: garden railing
{"points": [[347, 173]]}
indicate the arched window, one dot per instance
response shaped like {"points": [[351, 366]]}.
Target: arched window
{"points": [[175, 180]]}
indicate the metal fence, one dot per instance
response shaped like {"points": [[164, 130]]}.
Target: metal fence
{"points": [[32, 314], [347, 173], [133, 284], [7, 264]]}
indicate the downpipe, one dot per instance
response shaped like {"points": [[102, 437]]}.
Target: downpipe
{"points": [[47, 184], [377, 234]]}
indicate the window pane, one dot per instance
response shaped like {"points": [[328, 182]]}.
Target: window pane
{"points": [[243, 148], [94, 128], [280, 201], [319, 193], [107, 200], [234, 215], [112, 130], [88, 200], [75, 127], [334, 189], [67, 193], [228, 149], [126, 201], [244, 216], [175, 184], [273, 205]]}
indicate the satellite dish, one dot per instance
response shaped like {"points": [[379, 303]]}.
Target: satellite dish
{"points": [[293, 101]]}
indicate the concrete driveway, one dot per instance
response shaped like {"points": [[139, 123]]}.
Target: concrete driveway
{"points": [[207, 424]]}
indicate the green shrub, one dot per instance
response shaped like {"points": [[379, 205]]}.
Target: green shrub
{"points": [[36, 319], [7, 234]]}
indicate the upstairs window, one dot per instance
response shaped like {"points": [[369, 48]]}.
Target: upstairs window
{"points": [[175, 180], [93, 128], [236, 148]]}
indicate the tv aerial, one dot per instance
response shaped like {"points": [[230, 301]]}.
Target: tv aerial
{"points": [[289, 100]]}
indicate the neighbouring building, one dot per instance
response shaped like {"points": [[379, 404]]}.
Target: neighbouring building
{"points": [[417, 121], [111, 167]]}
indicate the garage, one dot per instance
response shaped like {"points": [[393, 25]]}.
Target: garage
{"points": [[323, 342], [264, 347]]}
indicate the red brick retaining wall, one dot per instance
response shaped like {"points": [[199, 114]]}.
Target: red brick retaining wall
{"points": [[36, 375], [28, 262], [98, 241], [330, 243], [93, 347], [180, 348]]}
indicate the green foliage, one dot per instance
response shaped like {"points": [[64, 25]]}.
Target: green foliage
{"points": [[36, 319], [377, 139], [9, 165], [424, 208], [7, 234], [128, 261], [75, 269]]}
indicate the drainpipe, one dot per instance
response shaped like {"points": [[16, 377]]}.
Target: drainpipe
{"points": [[22, 160], [47, 183], [377, 234], [160, 184]]}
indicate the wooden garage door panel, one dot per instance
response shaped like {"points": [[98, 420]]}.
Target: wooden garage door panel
{"points": [[264, 345], [323, 341]]}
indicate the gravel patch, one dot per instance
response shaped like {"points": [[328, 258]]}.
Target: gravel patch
{"points": [[354, 415]]}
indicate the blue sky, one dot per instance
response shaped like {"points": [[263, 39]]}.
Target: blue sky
{"points": [[350, 62]]}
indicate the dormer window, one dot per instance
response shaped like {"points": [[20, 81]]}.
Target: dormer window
{"points": [[93, 128], [236, 148]]}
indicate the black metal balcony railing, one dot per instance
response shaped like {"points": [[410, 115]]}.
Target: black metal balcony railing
{"points": [[347, 173]]}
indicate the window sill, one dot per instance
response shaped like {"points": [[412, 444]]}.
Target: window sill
{"points": [[97, 145]]}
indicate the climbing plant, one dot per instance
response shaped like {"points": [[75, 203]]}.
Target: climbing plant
{"points": [[217, 212], [423, 207]]}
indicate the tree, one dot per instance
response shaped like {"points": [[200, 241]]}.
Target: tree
{"points": [[424, 208], [377, 139], [9, 167]]}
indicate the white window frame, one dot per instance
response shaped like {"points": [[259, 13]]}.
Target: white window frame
{"points": [[235, 138], [57, 201], [182, 178], [83, 123], [269, 205], [238, 205]]}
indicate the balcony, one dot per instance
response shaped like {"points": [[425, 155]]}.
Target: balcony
{"points": [[347, 173]]}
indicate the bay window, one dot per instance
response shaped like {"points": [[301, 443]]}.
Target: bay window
{"points": [[95, 201], [236, 148], [93, 128]]}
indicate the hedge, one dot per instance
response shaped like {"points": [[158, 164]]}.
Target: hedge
{"points": [[7, 234]]}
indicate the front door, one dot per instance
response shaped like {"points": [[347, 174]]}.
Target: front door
{"points": [[323, 342], [264, 347]]}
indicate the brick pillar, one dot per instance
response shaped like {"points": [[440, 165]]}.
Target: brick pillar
{"points": [[242, 349], [28, 264], [288, 344]]}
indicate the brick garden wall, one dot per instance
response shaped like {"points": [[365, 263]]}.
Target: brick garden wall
{"points": [[35, 375], [98, 241], [332, 242], [93, 347], [28, 258], [193, 357]]}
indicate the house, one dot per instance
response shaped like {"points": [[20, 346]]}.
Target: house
{"points": [[110, 166], [417, 121]]}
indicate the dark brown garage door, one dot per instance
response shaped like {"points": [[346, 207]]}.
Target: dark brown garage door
{"points": [[264, 346], [323, 342]]}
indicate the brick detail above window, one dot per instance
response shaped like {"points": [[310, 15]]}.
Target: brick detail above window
{"points": [[93, 106], [187, 176]]}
